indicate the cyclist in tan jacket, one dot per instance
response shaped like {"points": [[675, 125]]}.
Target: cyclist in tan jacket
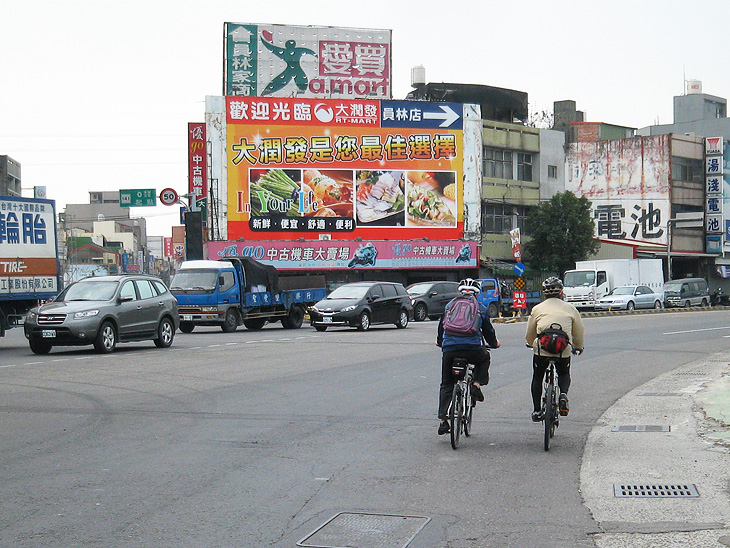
{"points": [[553, 310]]}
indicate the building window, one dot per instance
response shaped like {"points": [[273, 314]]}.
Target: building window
{"points": [[524, 166], [687, 169], [501, 218], [552, 172], [497, 163]]}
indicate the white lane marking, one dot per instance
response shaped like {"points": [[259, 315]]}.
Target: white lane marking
{"points": [[10, 365], [231, 344], [695, 330]]}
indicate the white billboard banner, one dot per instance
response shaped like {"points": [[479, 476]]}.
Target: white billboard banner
{"points": [[628, 182], [296, 61]]}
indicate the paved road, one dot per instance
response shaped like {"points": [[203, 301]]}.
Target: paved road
{"points": [[257, 439]]}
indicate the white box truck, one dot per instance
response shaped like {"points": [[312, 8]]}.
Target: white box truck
{"points": [[592, 280]]}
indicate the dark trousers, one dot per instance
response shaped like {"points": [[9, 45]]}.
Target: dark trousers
{"points": [[478, 356], [539, 366]]}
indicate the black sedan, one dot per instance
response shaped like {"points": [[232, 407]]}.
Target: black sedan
{"points": [[362, 304]]}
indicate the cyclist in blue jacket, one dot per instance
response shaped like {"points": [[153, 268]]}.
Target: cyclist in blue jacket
{"points": [[469, 347]]}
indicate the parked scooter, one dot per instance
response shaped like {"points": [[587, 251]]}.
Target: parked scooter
{"points": [[719, 298]]}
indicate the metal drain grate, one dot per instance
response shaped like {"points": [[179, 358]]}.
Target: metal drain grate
{"points": [[357, 529], [661, 394], [640, 428], [691, 374], [654, 490]]}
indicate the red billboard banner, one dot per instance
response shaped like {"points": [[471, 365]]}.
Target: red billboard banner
{"points": [[345, 254]]}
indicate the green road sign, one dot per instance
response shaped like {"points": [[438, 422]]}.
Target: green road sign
{"points": [[146, 197]]}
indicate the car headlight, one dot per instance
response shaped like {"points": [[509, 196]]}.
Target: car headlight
{"points": [[349, 308], [31, 315], [85, 314]]}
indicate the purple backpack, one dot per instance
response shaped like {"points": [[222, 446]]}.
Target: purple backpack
{"points": [[462, 318]]}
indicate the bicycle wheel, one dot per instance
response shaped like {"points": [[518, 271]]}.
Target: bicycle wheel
{"points": [[549, 415], [468, 412], [456, 415]]}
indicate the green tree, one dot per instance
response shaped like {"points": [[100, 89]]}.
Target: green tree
{"points": [[561, 233]]}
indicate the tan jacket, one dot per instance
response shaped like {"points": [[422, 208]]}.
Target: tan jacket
{"points": [[552, 311]]}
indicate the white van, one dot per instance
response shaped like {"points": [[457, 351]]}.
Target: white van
{"points": [[687, 292]]}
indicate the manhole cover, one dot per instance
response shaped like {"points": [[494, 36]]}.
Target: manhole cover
{"points": [[360, 530], [640, 428], [654, 490]]}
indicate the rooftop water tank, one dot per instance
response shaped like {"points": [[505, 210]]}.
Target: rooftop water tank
{"points": [[418, 76]]}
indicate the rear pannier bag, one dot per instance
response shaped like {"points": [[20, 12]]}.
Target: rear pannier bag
{"points": [[553, 340]]}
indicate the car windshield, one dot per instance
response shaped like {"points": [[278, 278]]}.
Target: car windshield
{"points": [[349, 292], [91, 291], [579, 278], [672, 289], [623, 291], [195, 279], [419, 289]]}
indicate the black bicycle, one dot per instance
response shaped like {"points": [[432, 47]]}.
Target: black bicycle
{"points": [[462, 403], [550, 408], [550, 400]]}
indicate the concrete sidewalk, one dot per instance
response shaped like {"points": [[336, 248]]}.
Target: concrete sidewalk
{"points": [[673, 430]]}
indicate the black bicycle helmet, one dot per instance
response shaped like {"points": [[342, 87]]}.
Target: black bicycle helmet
{"points": [[552, 287], [468, 286]]}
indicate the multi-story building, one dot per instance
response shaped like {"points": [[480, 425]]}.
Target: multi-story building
{"points": [[9, 177]]}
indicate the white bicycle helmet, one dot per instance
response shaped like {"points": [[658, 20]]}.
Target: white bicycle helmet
{"points": [[469, 286], [552, 287]]}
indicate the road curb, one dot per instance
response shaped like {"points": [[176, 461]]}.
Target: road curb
{"points": [[517, 319]]}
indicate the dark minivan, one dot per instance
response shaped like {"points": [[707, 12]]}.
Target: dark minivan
{"points": [[430, 298], [361, 304], [686, 292]]}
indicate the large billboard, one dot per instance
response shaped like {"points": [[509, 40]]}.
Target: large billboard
{"points": [[628, 181], [347, 169], [295, 61]]}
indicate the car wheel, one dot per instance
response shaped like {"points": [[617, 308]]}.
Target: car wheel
{"points": [[320, 328], [165, 333], [39, 347], [687, 304], [402, 319], [294, 319], [704, 302], [630, 305], [230, 324], [420, 312], [364, 323], [186, 327], [106, 339], [657, 305], [493, 310], [254, 324]]}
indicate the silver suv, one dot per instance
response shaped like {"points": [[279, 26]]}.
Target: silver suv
{"points": [[102, 311]]}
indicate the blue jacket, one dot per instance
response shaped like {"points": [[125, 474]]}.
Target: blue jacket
{"points": [[449, 342]]}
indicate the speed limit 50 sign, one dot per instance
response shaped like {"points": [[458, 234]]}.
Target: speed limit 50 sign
{"points": [[168, 196]]}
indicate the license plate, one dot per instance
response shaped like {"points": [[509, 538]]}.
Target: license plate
{"points": [[187, 317], [48, 333], [327, 319]]}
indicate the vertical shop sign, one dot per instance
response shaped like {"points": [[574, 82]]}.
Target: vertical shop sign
{"points": [[198, 165]]}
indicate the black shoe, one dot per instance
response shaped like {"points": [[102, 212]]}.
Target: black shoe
{"points": [[537, 416], [563, 405], [476, 393], [444, 428]]}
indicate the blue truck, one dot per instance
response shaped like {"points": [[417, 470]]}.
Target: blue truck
{"points": [[240, 290], [496, 295]]}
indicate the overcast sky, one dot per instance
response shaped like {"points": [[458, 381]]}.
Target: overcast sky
{"points": [[96, 95]]}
